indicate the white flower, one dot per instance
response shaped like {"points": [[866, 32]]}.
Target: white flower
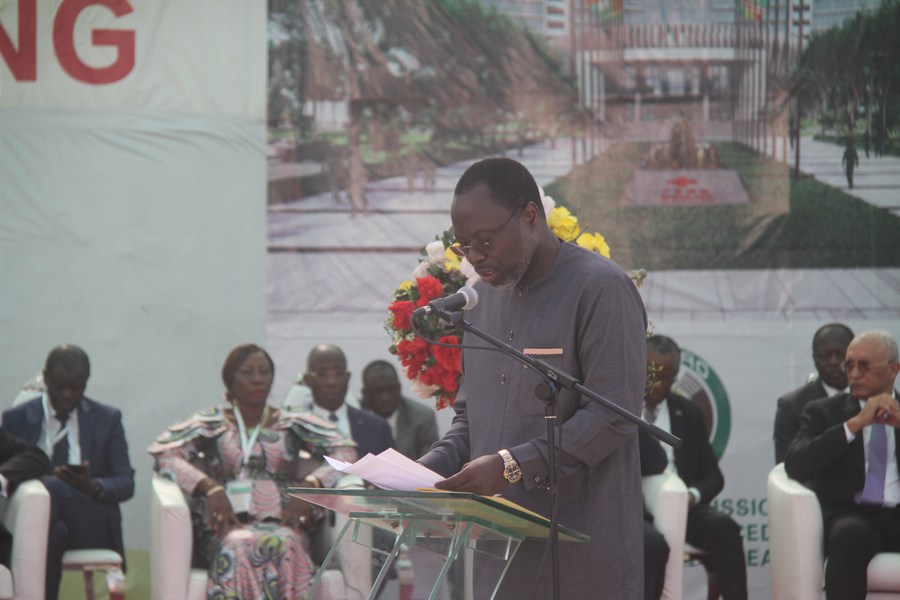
{"points": [[420, 271], [423, 390], [548, 203], [466, 268], [435, 251]]}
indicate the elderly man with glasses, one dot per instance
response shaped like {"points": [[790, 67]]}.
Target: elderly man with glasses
{"points": [[847, 447]]}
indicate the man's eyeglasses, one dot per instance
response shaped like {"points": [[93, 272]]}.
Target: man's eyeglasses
{"points": [[482, 246], [862, 365], [323, 375]]}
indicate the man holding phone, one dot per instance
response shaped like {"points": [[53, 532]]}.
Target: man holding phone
{"points": [[86, 444]]}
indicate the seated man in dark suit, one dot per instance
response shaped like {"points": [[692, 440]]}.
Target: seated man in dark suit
{"points": [[412, 423], [847, 448], [696, 465], [85, 441], [327, 377], [829, 347], [19, 461]]}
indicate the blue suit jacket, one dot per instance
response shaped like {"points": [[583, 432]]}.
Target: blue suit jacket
{"points": [[102, 440]]}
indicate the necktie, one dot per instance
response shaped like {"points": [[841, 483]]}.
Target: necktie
{"points": [[333, 417], [61, 448], [873, 492], [650, 413]]}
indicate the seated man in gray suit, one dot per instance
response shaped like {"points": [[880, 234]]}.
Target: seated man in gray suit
{"points": [[412, 423], [85, 441]]}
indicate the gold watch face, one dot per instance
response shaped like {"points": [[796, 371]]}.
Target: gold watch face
{"points": [[511, 473]]}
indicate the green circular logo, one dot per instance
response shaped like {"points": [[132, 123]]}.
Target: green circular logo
{"points": [[698, 382]]}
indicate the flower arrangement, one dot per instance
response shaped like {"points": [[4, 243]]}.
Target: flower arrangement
{"points": [[435, 370]]}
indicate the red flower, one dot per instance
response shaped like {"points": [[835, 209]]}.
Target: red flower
{"points": [[450, 382], [437, 375], [402, 311], [444, 400], [413, 354], [433, 375], [430, 287], [449, 358]]}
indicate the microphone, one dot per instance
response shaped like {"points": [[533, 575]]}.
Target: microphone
{"points": [[464, 299]]}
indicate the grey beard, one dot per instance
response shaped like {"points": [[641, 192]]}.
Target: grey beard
{"points": [[528, 245]]}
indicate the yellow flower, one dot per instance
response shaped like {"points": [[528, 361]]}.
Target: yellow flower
{"points": [[563, 224], [451, 261], [406, 286], [594, 242]]}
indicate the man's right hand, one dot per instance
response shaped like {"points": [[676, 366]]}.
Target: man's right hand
{"points": [[882, 408], [484, 476]]}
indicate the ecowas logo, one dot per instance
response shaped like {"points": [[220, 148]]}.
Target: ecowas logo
{"points": [[698, 382]]}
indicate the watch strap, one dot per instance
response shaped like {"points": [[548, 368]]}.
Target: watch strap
{"points": [[511, 470]]}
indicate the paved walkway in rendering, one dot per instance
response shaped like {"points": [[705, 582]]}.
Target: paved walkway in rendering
{"points": [[876, 180]]}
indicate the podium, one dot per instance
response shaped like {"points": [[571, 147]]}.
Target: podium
{"points": [[440, 523]]}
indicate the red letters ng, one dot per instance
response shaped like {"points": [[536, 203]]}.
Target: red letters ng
{"points": [[23, 62]]}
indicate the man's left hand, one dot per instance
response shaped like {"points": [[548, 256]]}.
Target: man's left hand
{"points": [[76, 477], [484, 476]]}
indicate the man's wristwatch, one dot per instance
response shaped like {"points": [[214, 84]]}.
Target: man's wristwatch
{"points": [[511, 470]]}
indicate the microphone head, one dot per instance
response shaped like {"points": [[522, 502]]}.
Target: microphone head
{"points": [[471, 297]]}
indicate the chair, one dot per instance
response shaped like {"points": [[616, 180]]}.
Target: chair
{"points": [[90, 560], [796, 545], [87, 560], [170, 553], [666, 497], [27, 516]]}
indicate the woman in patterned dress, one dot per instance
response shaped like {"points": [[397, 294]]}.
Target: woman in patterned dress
{"points": [[235, 462]]}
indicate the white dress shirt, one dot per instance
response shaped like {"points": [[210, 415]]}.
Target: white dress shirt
{"points": [[52, 431], [343, 419]]}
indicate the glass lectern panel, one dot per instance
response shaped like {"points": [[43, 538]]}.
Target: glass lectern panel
{"points": [[425, 543]]}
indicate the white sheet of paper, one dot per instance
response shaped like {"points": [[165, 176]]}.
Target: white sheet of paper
{"points": [[389, 470]]}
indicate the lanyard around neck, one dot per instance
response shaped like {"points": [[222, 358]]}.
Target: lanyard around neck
{"points": [[247, 442]]}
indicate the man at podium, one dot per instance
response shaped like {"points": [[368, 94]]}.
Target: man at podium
{"points": [[580, 312]]}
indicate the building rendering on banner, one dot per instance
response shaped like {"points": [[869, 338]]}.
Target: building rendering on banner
{"points": [[640, 64], [663, 60]]}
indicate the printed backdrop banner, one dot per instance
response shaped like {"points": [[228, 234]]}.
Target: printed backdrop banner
{"points": [[132, 195], [148, 152]]}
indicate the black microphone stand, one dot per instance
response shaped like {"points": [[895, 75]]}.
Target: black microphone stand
{"points": [[547, 392]]}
